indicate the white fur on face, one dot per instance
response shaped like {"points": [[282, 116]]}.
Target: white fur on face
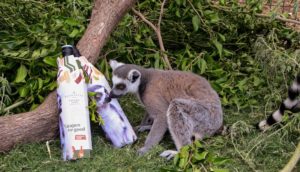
{"points": [[133, 87], [116, 80], [101, 91], [114, 64]]}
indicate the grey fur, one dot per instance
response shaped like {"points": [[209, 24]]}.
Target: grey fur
{"points": [[182, 102]]}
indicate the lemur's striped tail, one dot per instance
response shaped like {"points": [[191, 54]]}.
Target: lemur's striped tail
{"points": [[291, 103]]}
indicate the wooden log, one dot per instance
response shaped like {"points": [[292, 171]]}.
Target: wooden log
{"points": [[42, 123]]}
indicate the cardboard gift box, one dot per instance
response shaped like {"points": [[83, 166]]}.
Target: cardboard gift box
{"points": [[76, 77], [116, 125]]}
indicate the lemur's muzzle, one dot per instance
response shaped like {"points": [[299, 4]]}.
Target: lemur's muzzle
{"points": [[111, 96], [107, 99]]}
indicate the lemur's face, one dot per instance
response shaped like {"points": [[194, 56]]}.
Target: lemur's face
{"points": [[101, 93], [125, 80]]}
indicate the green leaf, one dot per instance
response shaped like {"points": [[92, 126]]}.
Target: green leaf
{"points": [[176, 159], [200, 156], [36, 54], [222, 37], [179, 2], [23, 91], [149, 42], [23, 53], [92, 94], [72, 22], [222, 2], [203, 66], [74, 33], [33, 106], [219, 161], [177, 13], [52, 86], [227, 52], [21, 74], [214, 18], [40, 83], [137, 38], [196, 22], [242, 84], [184, 151], [182, 162], [198, 144], [50, 61], [225, 100], [157, 60], [256, 81], [44, 52], [219, 46], [41, 98], [219, 170], [93, 117]]}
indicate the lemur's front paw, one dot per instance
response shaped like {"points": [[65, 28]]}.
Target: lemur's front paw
{"points": [[169, 154], [143, 150], [142, 128]]}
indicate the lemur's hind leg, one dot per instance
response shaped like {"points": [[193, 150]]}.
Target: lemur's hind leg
{"points": [[180, 126], [191, 118], [145, 125]]}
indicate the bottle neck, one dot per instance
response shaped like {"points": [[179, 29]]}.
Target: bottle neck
{"points": [[67, 51], [71, 58]]}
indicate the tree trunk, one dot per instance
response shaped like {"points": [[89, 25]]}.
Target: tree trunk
{"points": [[42, 123]]}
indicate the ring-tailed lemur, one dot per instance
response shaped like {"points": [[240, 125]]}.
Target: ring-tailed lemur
{"points": [[291, 103], [181, 102]]}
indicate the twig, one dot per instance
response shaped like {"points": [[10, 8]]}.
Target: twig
{"points": [[161, 14], [144, 19], [200, 18], [157, 31], [48, 149], [279, 18], [14, 105], [293, 161], [258, 15]]}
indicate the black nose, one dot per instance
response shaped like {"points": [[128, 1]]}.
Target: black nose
{"points": [[112, 95], [107, 100]]}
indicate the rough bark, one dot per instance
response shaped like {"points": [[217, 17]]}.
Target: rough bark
{"points": [[42, 123]]}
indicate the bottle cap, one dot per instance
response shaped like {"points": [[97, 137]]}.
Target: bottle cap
{"points": [[67, 50]]}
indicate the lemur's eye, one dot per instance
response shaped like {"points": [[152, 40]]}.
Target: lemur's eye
{"points": [[98, 95], [105, 91], [120, 86]]}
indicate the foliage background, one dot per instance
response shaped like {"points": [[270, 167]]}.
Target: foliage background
{"points": [[250, 61]]}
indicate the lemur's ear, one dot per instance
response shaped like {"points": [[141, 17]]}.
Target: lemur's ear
{"points": [[133, 75], [114, 64]]}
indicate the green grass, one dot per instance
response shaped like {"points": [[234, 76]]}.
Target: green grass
{"points": [[245, 147]]}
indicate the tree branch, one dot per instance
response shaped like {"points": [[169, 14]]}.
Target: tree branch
{"points": [[157, 31], [161, 13], [227, 9], [293, 161], [279, 18], [42, 123], [144, 19]]}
